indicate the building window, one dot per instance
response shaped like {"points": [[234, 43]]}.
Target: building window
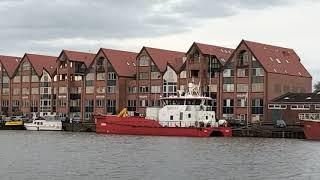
{"points": [[25, 78], [100, 102], [101, 76], [111, 106], [90, 77], [317, 107], [5, 79], [101, 90], [77, 78], [155, 89], [34, 78], [89, 89], [35, 90], [243, 58], [144, 61], [131, 105], [242, 102], [16, 91], [228, 73], [143, 89], [228, 87], [143, 103], [15, 103], [111, 89], [242, 87], [112, 76], [228, 106], [5, 103], [300, 107], [257, 72], [257, 87], [257, 106], [62, 90], [132, 89], [194, 73], [5, 91], [155, 75], [26, 66], [277, 106], [169, 88], [242, 73], [25, 91], [143, 75], [154, 68], [155, 103]]}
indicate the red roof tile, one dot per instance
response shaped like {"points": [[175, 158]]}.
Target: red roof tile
{"points": [[123, 62], [276, 59], [10, 64], [222, 53], [42, 62], [87, 58], [163, 57]]}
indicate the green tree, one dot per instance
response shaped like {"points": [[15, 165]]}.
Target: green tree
{"points": [[317, 86]]}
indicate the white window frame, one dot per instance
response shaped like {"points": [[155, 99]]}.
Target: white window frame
{"points": [[277, 106]]}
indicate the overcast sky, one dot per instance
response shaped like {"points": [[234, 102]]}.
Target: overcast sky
{"points": [[47, 27]]}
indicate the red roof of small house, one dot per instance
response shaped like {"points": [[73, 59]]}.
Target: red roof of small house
{"points": [[87, 58], [10, 64], [222, 53], [163, 57], [276, 59], [123, 62], [42, 62]]}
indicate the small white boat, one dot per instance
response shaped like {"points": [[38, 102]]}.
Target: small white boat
{"points": [[46, 123]]}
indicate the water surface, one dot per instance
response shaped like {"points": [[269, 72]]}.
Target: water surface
{"points": [[65, 155]]}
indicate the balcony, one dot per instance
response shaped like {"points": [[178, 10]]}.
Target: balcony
{"points": [[45, 96], [100, 68], [80, 70], [75, 109], [89, 109], [44, 84], [75, 96]]}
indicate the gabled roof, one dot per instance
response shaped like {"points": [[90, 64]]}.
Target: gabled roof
{"points": [[123, 62], [42, 62], [87, 58], [276, 59], [298, 98], [10, 64], [222, 53], [162, 58]]}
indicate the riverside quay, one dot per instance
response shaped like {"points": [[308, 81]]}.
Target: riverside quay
{"points": [[76, 85]]}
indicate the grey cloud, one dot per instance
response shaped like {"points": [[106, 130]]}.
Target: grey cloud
{"points": [[23, 22]]}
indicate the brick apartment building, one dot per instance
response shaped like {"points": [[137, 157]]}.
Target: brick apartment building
{"points": [[8, 65], [257, 73], [156, 75], [241, 81]]}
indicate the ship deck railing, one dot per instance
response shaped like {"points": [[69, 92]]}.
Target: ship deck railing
{"points": [[181, 124]]}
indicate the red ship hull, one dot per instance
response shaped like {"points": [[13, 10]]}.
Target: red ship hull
{"points": [[311, 129], [142, 126]]}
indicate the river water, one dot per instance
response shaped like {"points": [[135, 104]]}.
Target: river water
{"points": [[66, 155]]}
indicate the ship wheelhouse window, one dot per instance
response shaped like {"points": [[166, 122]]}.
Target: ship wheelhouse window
{"points": [[189, 115], [193, 101], [171, 117]]}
